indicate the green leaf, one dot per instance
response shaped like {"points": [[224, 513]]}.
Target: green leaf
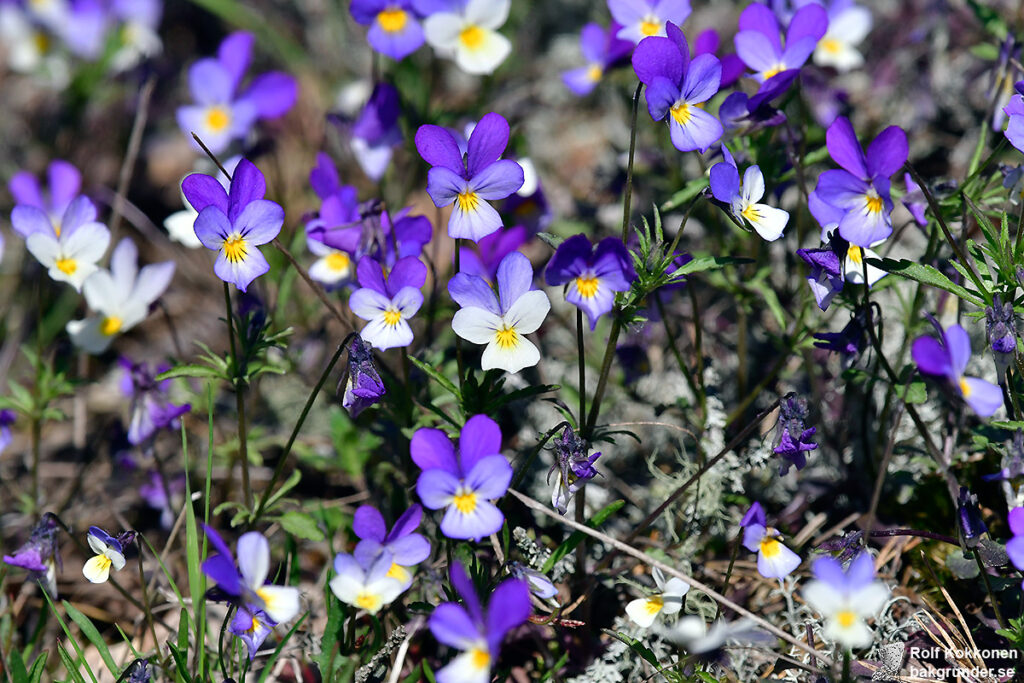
{"points": [[288, 485], [18, 671], [180, 663], [436, 375], [917, 392], [636, 646], [35, 674], [94, 637], [302, 525], [926, 275], [191, 370], [702, 263], [69, 664], [689, 191], [569, 544]]}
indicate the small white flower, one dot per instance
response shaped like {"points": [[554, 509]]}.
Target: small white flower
{"points": [[71, 257], [333, 267], [471, 36], [854, 266], [109, 553], [369, 589], [768, 221], [507, 348], [669, 600], [837, 48]]}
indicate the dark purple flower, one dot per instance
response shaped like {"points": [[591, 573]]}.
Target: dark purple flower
{"points": [[972, 525], [376, 131], [7, 418], [395, 29], [759, 45], [794, 437], [914, 201], [155, 492], [858, 194], [601, 48], [707, 42], [406, 547], [1001, 329], [1015, 546], [540, 585], [849, 342], [220, 114], [949, 359], [826, 271], [676, 85], [746, 114], [470, 183], [40, 554], [252, 628], [364, 387], [1015, 111], [151, 408], [476, 634], [593, 274], [234, 223], [573, 466]]}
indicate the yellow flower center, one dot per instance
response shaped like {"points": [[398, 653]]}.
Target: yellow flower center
{"points": [[110, 326], [255, 625], [507, 338], [774, 71], [873, 201], [102, 562], [393, 19], [41, 41], [217, 118], [587, 285], [235, 249], [392, 317], [831, 46], [846, 618], [338, 261], [68, 266], [650, 26], [480, 658], [751, 213], [654, 604], [770, 547], [467, 201], [368, 601], [855, 254], [594, 73], [56, 229], [681, 113], [465, 501], [472, 37], [965, 388], [398, 572]]}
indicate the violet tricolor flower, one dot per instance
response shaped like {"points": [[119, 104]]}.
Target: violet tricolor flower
{"points": [[40, 554], [151, 408], [70, 249], [668, 600], [155, 493], [180, 225], [395, 29], [247, 581], [376, 132], [793, 441], [915, 202], [364, 387], [1015, 546], [640, 19], [859, 192], [759, 45], [774, 560], [465, 484], [593, 274], [949, 359], [7, 418], [471, 182], [849, 342], [848, 26], [1014, 110], [676, 85], [387, 304], [845, 599], [540, 585], [476, 634], [573, 466], [825, 275], [971, 521], [491, 251], [121, 297], [220, 114], [743, 199], [234, 223], [502, 320], [109, 553], [252, 628], [64, 184], [601, 48], [1001, 330], [369, 587], [406, 547], [467, 31]]}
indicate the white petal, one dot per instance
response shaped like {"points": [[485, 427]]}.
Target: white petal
{"points": [[488, 13], [86, 335], [510, 359], [97, 569], [254, 559], [382, 336], [856, 635], [753, 185], [485, 57], [642, 611], [822, 598], [181, 227], [466, 668], [870, 599], [476, 325], [116, 559], [102, 293], [770, 222], [528, 312], [281, 603], [442, 30]]}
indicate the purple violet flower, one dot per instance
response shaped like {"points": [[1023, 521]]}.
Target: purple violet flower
{"points": [[491, 251], [395, 29], [914, 201], [376, 132], [849, 342], [826, 271], [220, 114], [707, 42], [69, 249], [949, 359], [640, 19], [465, 484], [573, 466], [109, 553], [65, 183], [593, 274], [759, 45], [476, 634], [364, 387], [859, 191], [470, 182], [601, 48], [407, 548], [40, 554], [387, 304], [7, 418], [774, 560], [743, 199], [1014, 110], [234, 223], [502, 320], [540, 585], [794, 437], [252, 628], [151, 408], [1015, 546], [845, 599], [676, 85], [154, 492]]}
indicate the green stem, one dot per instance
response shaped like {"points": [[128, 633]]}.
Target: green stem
{"points": [[243, 444], [988, 589], [846, 666], [602, 380], [458, 339], [36, 429], [674, 345], [628, 197], [581, 416], [145, 602]]}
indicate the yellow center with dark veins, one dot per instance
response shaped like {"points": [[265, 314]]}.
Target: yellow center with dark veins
{"points": [[751, 213], [217, 118], [465, 501], [256, 625], [338, 261], [472, 37], [681, 113], [654, 604], [507, 338], [68, 266], [368, 601], [103, 563], [479, 658], [587, 285], [650, 26], [846, 618], [235, 249], [467, 201], [873, 202], [110, 326], [393, 19], [774, 71], [965, 388], [831, 46], [392, 317]]}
